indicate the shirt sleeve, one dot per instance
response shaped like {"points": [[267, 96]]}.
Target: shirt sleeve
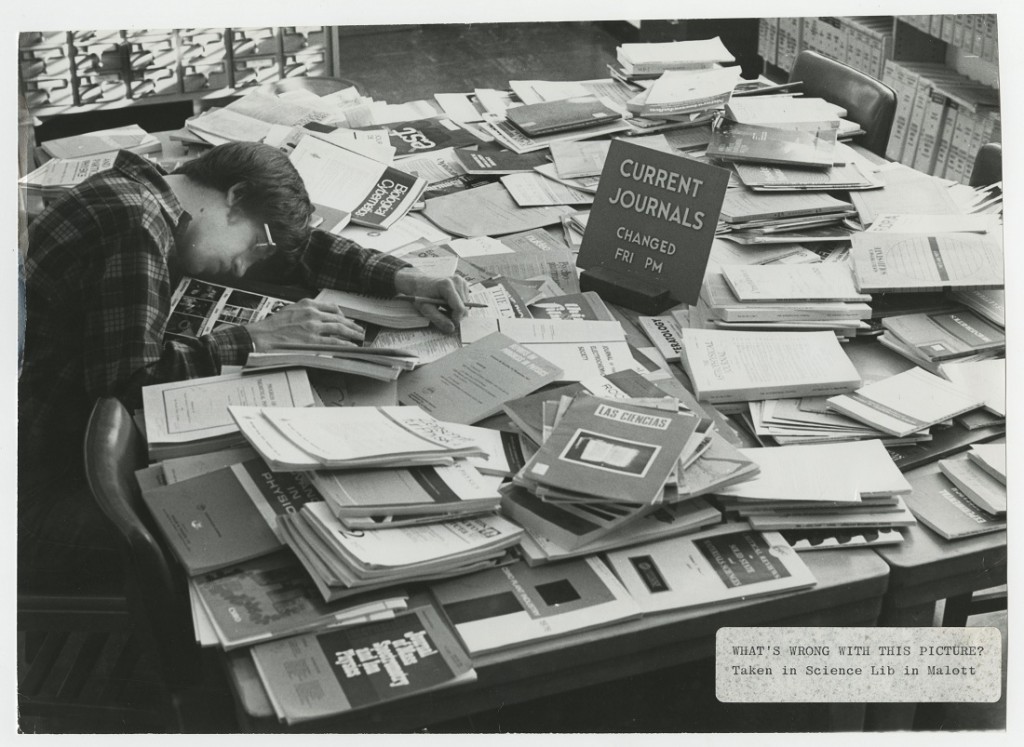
{"points": [[329, 261], [124, 327]]}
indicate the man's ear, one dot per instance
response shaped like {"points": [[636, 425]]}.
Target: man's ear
{"points": [[234, 197]]}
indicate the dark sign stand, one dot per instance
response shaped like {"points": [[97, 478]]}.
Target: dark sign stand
{"points": [[625, 290]]}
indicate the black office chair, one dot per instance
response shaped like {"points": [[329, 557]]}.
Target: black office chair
{"points": [[194, 695], [868, 102], [988, 165], [137, 667]]}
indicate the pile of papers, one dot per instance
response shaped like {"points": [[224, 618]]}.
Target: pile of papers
{"points": [[817, 296], [384, 364], [651, 59], [750, 217], [907, 403], [981, 476], [244, 604], [808, 420], [190, 417], [310, 438], [952, 513], [933, 339], [342, 562], [606, 463], [850, 485]]}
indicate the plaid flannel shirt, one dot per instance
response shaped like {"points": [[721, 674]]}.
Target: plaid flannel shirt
{"points": [[99, 287]]}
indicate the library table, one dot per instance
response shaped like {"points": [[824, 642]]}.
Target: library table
{"points": [[923, 569], [851, 584]]}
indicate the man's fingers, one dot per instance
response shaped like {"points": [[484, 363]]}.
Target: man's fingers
{"points": [[435, 317], [344, 330]]}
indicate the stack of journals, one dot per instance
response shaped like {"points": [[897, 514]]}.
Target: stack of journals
{"points": [[887, 262], [373, 497], [536, 603], [818, 296], [58, 175], [221, 509], [944, 508], [130, 137], [847, 485], [851, 175], [738, 366], [562, 115], [686, 93], [190, 417], [342, 562], [671, 520], [651, 59], [720, 564], [311, 438], [733, 142], [909, 402], [931, 339], [747, 216], [611, 452], [981, 476], [807, 420], [989, 303], [336, 671], [384, 364], [808, 114], [273, 597], [985, 380], [608, 463], [347, 185], [512, 137]]}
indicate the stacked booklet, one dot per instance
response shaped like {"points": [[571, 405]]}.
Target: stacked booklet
{"points": [[930, 339], [273, 597], [734, 142], [740, 366], [606, 464], [297, 438], [844, 485], [818, 296], [808, 420], [943, 507], [909, 402], [191, 417], [651, 59], [686, 93], [724, 563], [981, 476], [536, 603], [384, 364], [887, 262], [750, 217], [342, 562], [340, 670]]}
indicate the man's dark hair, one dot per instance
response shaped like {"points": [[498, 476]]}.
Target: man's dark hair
{"points": [[272, 191]]}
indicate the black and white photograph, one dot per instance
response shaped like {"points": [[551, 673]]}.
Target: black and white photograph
{"points": [[837, 313]]}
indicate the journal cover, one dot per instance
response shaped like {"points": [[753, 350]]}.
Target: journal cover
{"points": [[945, 335], [945, 509], [516, 604], [337, 671], [731, 141], [560, 115], [723, 563]]}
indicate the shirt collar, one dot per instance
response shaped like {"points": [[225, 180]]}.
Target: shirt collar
{"points": [[151, 176]]}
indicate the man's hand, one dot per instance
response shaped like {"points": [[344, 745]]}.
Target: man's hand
{"points": [[450, 292], [307, 322]]}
